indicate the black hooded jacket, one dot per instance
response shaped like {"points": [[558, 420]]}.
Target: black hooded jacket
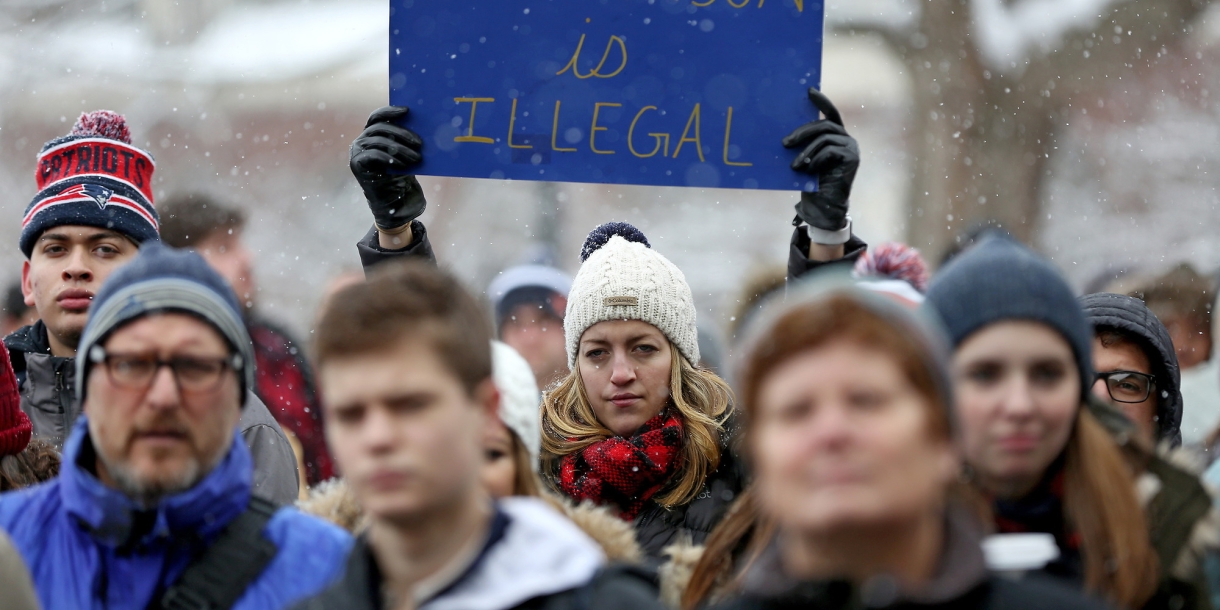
{"points": [[1129, 315]]}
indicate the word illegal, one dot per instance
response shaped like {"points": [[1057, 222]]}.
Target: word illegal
{"points": [[692, 133]]}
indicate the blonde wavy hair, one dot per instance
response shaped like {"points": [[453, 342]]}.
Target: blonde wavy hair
{"points": [[703, 402]]}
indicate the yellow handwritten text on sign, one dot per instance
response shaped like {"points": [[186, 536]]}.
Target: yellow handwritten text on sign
{"points": [[800, 4], [597, 72], [692, 133]]}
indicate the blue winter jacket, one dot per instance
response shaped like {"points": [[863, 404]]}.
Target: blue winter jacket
{"points": [[89, 546]]}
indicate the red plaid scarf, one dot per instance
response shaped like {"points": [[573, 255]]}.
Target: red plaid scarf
{"points": [[625, 472]]}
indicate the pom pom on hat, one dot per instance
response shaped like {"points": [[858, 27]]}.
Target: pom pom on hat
{"points": [[602, 234], [896, 262], [102, 123]]}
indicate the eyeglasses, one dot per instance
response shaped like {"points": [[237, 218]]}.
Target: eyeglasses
{"points": [[1128, 386], [137, 371]]}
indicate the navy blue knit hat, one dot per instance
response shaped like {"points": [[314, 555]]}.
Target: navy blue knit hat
{"points": [[163, 279], [93, 177], [1000, 279]]}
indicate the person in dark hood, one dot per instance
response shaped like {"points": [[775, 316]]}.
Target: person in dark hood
{"points": [[1135, 365], [848, 418]]}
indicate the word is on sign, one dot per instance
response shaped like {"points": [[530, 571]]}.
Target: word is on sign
{"points": [[656, 92]]}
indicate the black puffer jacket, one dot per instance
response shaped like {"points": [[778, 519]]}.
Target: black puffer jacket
{"points": [[657, 528], [1130, 315], [961, 582]]}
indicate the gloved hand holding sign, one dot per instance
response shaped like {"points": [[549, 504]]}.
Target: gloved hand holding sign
{"points": [[833, 156], [381, 159]]}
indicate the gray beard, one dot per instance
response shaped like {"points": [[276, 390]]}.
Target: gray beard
{"points": [[150, 493]]}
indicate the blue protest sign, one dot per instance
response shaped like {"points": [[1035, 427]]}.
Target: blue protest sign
{"points": [[655, 92]]}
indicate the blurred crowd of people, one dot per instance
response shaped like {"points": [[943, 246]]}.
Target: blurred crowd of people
{"points": [[880, 436]]}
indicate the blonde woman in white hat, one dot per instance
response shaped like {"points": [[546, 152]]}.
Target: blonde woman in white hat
{"points": [[637, 426]]}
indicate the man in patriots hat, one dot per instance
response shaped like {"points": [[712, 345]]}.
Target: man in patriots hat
{"points": [[93, 211]]}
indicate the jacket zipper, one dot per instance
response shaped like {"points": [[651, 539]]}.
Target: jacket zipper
{"points": [[64, 411], [648, 517]]}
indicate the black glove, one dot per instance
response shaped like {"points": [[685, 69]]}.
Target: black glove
{"points": [[380, 159], [831, 155]]}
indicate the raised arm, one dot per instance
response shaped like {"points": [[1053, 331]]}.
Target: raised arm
{"points": [[381, 159], [823, 232]]}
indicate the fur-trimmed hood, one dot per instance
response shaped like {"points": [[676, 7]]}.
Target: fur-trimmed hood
{"points": [[333, 501]]}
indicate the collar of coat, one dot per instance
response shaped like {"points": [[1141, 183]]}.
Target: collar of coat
{"points": [[115, 520], [30, 339], [531, 551], [961, 568]]}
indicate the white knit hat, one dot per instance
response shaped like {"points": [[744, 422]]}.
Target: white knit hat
{"points": [[519, 399], [623, 278]]}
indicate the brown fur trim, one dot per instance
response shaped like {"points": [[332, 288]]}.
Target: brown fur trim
{"points": [[1205, 535], [616, 537], [1204, 538], [333, 501], [1188, 459], [677, 571]]}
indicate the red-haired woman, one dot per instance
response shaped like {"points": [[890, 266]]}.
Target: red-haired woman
{"points": [[847, 416]]}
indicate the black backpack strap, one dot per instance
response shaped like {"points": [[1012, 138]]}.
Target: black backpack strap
{"points": [[219, 576]]}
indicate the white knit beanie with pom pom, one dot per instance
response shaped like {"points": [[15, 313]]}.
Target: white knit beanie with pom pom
{"points": [[623, 278], [519, 399]]}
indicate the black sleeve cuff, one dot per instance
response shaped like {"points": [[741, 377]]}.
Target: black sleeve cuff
{"points": [[372, 254], [799, 264]]}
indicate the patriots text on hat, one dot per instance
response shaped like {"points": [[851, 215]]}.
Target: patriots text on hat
{"points": [[94, 177]]}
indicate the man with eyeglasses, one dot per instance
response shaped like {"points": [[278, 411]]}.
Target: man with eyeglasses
{"points": [[1137, 368], [154, 506]]}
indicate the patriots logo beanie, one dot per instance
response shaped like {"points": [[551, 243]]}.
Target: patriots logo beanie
{"points": [[93, 177]]}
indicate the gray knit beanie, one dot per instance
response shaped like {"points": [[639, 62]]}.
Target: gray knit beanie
{"points": [[1000, 279], [623, 278], [163, 279]]}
